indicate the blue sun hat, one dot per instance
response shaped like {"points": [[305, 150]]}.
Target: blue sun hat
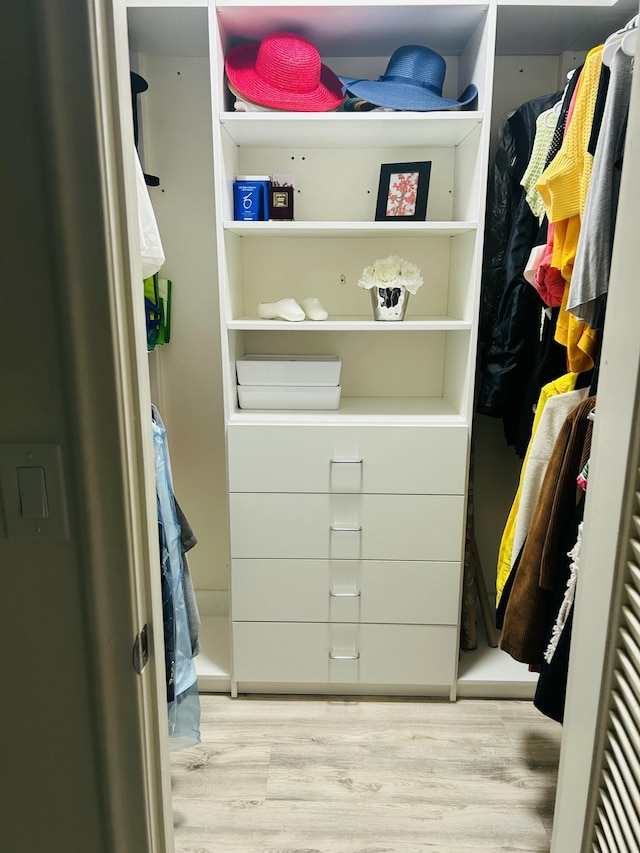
{"points": [[413, 81]]}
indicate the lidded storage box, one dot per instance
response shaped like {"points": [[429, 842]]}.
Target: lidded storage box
{"points": [[288, 370], [288, 381]]}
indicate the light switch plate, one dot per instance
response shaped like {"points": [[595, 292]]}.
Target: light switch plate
{"points": [[47, 457]]}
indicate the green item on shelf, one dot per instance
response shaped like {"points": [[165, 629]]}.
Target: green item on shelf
{"points": [[152, 310], [164, 293]]}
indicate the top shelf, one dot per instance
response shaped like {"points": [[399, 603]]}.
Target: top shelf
{"points": [[373, 28], [341, 130], [548, 27]]}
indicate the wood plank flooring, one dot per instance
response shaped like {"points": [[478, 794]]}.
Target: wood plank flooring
{"points": [[333, 775]]}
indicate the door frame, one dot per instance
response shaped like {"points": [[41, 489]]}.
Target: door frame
{"points": [[81, 49]]}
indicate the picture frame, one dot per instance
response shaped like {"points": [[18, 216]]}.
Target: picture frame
{"points": [[403, 191]]}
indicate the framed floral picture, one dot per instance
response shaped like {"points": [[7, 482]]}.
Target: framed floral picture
{"points": [[403, 191]]}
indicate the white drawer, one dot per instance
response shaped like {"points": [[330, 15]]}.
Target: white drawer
{"points": [[345, 591], [366, 654], [388, 459], [347, 527]]}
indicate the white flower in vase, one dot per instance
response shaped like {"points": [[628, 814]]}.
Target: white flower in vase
{"points": [[390, 281]]}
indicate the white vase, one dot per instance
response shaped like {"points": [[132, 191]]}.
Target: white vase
{"points": [[389, 303]]}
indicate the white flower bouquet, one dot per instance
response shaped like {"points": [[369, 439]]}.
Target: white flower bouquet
{"points": [[391, 272]]}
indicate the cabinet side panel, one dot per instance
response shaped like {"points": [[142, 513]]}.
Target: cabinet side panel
{"points": [[178, 143], [457, 372], [476, 60]]}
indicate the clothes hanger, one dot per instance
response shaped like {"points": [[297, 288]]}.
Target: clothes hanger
{"points": [[629, 40], [616, 40], [551, 116], [557, 107], [139, 85]]}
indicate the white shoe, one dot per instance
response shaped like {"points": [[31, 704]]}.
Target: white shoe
{"points": [[284, 309], [314, 309]]}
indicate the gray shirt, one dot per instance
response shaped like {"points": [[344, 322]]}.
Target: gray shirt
{"points": [[590, 279]]}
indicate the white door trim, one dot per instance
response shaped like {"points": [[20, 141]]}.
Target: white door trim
{"points": [[84, 77]]}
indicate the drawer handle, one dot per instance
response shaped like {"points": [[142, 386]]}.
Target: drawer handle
{"points": [[344, 657], [345, 529], [345, 594], [346, 461]]}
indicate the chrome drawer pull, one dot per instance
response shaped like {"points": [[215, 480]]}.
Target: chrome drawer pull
{"points": [[345, 594], [345, 657], [345, 529], [346, 461]]}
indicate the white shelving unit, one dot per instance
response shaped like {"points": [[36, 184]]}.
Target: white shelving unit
{"points": [[317, 541]]}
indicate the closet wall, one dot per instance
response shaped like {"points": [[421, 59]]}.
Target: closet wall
{"points": [[169, 49], [536, 44]]}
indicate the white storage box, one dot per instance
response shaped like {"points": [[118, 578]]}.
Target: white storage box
{"points": [[288, 396], [288, 370]]}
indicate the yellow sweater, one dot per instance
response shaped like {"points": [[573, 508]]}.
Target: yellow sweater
{"points": [[564, 186], [557, 386], [565, 182], [580, 340]]}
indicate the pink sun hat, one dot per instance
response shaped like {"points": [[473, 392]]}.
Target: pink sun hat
{"points": [[284, 71]]}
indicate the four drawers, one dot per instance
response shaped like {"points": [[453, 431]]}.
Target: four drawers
{"points": [[346, 546]]}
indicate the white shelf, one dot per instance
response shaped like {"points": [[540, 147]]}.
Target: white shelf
{"points": [[352, 324], [488, 673], [540, 27], [424, 411], [255, 4], [166, 4], [348, 230], [358, 27], [343, 130]]}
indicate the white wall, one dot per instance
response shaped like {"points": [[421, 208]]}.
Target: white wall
{"points": [[497, 471], [46, 715], [176, 120], [518, 79]]}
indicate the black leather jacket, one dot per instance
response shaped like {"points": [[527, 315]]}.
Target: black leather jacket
{"points": [[509, 306]]}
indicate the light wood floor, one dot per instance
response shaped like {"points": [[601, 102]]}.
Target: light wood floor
{"points": [[307, 775]]}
